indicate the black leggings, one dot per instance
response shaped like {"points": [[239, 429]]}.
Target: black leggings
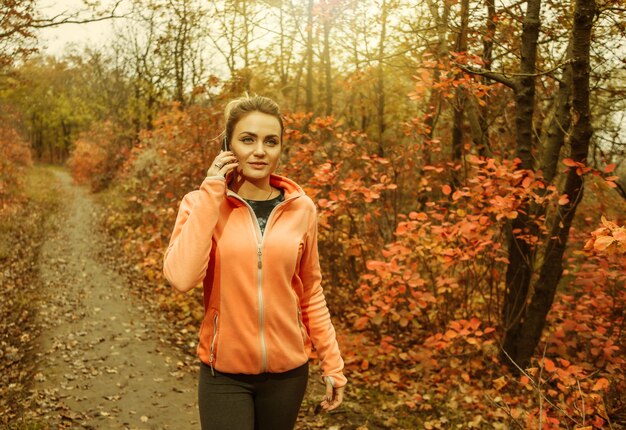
{"points": [[269, 401]]}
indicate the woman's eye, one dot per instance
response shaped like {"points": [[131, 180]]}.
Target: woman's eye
{"points": [[272, 142], [247, 140]]}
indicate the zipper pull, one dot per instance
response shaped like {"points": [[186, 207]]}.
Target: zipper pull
{"points": [[211, 364], [260, 256]]}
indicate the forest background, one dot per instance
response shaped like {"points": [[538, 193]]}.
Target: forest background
{"points": [[466, 158]]}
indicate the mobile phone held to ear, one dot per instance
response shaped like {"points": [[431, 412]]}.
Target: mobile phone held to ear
{"points": [[225, 144]]}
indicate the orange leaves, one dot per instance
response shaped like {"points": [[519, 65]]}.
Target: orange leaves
{"points": [[610, 168], [365, 364], [581, 168], [549, 365], [15, 156], [571, 163], [421, 216], [609, 237], [602, 384], [563, 200], [436, 264], [88, 161], [603, 242], [361, 323], [459, 334], [567, 393]]}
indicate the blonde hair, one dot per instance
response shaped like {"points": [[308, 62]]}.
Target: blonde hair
{"points": [[238, 108]]}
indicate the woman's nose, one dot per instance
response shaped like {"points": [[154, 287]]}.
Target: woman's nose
{"points": [[259, 148]]}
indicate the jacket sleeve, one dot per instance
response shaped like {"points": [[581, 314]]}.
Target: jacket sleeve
{"points": [[187, 256], [315, 313]]}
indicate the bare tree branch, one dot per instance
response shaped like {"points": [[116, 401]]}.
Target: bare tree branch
{"points": [[506, 79], [57, 20], [494, 76]]}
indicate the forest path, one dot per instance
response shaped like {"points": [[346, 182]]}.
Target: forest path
{"points": [[101, 363]]}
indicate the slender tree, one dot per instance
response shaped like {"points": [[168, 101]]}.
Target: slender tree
{"points": [[531, 326], [308, 104], [521, 252]]}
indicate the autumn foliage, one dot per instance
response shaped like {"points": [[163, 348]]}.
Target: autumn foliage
{"points": [[15, 157], [414, 269], [413, 249], [97, 155]]}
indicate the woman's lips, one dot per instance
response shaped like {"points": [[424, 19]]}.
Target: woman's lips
{"points": [[258, 165]]}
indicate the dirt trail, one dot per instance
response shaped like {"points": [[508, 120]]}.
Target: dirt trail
{"points": [[102, 364]]}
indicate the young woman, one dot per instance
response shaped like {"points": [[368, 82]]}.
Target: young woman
{"points": [[250, 237]]}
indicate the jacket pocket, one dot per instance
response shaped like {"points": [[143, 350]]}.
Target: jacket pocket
{"points": [[213, 349], [303, 332]]}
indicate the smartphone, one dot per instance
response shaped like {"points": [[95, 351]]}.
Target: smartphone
{"points": [[225, 144]]}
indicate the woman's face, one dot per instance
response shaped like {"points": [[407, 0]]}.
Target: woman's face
{"points": [[256, 144]]}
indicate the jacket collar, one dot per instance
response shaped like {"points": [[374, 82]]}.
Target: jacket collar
{"points": [[291, 188]]}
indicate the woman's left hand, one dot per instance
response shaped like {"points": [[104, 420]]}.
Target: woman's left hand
{"points": [[333, 397]]}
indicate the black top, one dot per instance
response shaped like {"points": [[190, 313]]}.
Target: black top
{"points": [[263, 208]]}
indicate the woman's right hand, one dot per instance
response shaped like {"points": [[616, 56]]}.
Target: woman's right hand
{"points": [[223, 164]]}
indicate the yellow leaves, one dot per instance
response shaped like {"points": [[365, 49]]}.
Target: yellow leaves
{"points": [[607, 224], [603, 238], [500, 383], [516, 413], [603, 242]]}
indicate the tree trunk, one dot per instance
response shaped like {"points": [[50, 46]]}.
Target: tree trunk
{"points": [[461, 99], [327, 69], [380, 81], [434, 101], [483, 145], [558, 125], [309, 59], [552, 268], [521, 253]]}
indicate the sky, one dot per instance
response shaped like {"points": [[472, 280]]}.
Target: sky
{"points": [[56, 40]]}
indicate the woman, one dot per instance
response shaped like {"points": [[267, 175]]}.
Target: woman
{"points": [[250, 237]]}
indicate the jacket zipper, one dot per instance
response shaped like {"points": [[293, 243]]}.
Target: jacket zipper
{"points": [[260, 269], [212, 355], [261, 310]]}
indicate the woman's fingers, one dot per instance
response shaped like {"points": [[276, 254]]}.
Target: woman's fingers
{"points": [[333, 397], [336, 399], [223, 164]]}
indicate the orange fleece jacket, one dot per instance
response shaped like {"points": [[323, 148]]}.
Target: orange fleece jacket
{"points": [[263, 301]]}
